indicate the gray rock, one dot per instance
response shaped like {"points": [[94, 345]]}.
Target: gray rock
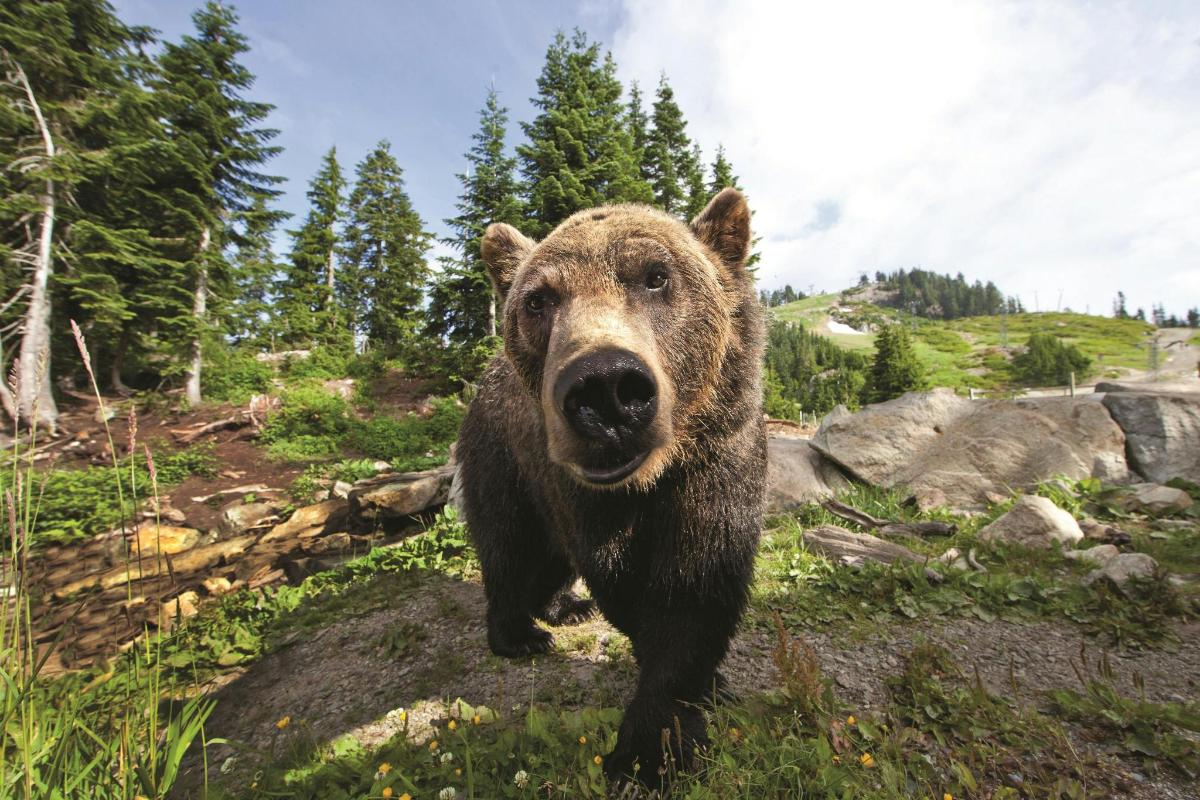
{"points": [[971, 453], [1033, 522], [798, 474], [454, 498], [341, 489], [1099, 555], [397, 498], [1156, 499], [239, 517], [1162, 430], [1122, 567]]}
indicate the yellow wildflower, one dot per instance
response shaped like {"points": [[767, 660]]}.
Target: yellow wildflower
{"points": [[406, 796], [433, 745], [387, 791], [947, 796], [283, 723], [458, 771], [385, 768], [598, 760], [583, 740], [475, 720], [850, 720], [452, 725], [837, 759], [867, 760]]}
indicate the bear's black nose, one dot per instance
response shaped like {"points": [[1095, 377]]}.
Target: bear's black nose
{"points": [[607, 396]]}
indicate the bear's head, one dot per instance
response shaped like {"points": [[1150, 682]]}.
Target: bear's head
{"points": [[620, 323]]}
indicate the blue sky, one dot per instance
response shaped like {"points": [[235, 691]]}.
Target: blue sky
{"points": [[1052, 146]]}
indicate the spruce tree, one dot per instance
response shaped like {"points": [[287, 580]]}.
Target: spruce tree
{"points": [[896, 368], [697, 192], [249, 315], [307, 294], [218, 129], [385, 270], [671, 163], [580, 152], [722, 173], [462, 306], [68, 70], [638, 125]]}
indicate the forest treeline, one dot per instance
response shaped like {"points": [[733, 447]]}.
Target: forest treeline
{"points": [[137, 199]]}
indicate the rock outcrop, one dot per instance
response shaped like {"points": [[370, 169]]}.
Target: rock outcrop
{"points": [[966, 454], [798, 474], [1162, 429]]}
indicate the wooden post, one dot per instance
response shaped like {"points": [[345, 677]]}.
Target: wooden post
{"points": [[1072, 383]]}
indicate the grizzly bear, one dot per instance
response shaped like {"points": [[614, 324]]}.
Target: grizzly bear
{"points": [[619, 438]]}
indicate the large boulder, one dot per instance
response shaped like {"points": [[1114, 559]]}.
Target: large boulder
{"points": [[1162, 430], [969, 453], [391, 499], [798, 474], [1033, 522]]}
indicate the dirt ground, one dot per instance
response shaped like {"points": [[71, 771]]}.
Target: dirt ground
{"points": [[345, 679]]}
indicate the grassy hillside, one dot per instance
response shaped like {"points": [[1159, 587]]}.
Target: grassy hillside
{"points": [[970, 352]]}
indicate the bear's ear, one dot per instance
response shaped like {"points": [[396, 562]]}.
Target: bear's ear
{"points": [[503, 248], [724, 225]]}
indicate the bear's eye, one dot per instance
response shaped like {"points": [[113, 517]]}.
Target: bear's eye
{"points": [[535, 303], [656, 278]]}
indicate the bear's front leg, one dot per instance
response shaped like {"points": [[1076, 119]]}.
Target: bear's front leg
{"points": [[663, 726]]}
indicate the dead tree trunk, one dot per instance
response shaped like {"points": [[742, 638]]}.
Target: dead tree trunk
{"points": [[199, 311], [491, 314], [35, 398]]}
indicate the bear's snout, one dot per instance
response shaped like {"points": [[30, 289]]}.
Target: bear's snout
{"points": [[609, 398]]}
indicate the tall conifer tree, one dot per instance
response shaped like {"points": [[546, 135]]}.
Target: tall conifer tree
{"points": [[307, 294], [671, 163], [462, 306], [580, 152], [385, 270], [219, 130]]}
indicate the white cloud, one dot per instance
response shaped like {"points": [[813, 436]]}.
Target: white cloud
{"points": [[1046, 146]]}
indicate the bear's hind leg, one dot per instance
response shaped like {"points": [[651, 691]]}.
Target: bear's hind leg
{"points": [[568, 608]]}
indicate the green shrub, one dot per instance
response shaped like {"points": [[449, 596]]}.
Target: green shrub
{"points": [[410, 442], [234, 375], [309, 424], [324, 363], [1047, 360], [71, 504]]}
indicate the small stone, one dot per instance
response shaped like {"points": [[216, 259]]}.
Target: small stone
{"points": [[182, 607], [1033, 521], [1153, 498], [341, 489], [217, 585]]}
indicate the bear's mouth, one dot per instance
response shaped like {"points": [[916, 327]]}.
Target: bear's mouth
{"points": [[614, 470]]}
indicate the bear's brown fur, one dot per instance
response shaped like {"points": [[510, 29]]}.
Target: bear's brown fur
{"points": [[619, 438]]}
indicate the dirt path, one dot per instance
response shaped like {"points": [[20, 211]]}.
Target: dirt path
{"points": [[355, 675]]}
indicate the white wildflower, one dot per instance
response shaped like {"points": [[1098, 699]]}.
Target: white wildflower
{"points": [[449, 793], [447, 757], [521, 779]]}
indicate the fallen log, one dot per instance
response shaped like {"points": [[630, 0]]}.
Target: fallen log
{"points": [[852, 549], [229, 423], [888, 527]]}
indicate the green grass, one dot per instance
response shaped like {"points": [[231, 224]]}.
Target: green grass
{"points": [[966, 353]]}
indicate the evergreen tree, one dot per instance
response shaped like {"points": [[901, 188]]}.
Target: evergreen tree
{"points": [[462, 306], [580, 152], [697, 196], [1119, 311], [308, 308], [254, 271], [896, 368], [218, 132], [1047, 360], [1193, 317], [722, 173], [385, 269], [638, 125], [69, 69], [672, 165]]}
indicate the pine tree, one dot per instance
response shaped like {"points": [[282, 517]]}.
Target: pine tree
{"points": [[307, 293], [580, 152], [68, 69], [217, 128], [254, 269], [673, 167], [638, 125], [722, 173], [385, 270], [697, 192], [896, 368], [462, 306]]}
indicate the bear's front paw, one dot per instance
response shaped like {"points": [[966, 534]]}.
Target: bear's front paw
{"points": [[518, 641], [653, 760], [568, 608]]}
